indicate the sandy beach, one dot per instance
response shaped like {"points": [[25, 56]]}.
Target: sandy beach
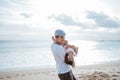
{"points": [[103, 71]]}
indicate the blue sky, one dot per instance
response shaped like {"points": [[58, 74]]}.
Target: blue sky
{"points": [[80, 19]]}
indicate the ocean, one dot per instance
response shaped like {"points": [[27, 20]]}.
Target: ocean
{"points": [[37, 53]]}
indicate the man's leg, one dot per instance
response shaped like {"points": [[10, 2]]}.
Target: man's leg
{"points": [[73, 76], [67, 76]]}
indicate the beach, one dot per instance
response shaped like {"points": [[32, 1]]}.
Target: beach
{"points": [[101, 71], [96, 60]]}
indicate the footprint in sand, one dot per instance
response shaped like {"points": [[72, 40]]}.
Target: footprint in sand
{"points": [[29, 74], [23, 75], [118, 72], [114, 79], [114, 75], [8, 76], [16, 75], [35, 73], [1, 78]]}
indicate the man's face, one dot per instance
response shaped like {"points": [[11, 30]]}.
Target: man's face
{"points": [[60, 39]]}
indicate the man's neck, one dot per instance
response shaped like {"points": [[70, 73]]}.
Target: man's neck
{"points": [[57, 43]]}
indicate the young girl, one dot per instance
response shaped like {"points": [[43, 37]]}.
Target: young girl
{"points": [[71, 51]]}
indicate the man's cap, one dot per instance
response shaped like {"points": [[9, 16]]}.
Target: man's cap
{"points": [[60, 32]]}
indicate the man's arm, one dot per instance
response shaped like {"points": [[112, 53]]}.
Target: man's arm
{"points": [[59, 51]]}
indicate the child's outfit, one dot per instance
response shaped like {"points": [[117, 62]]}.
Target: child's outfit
{"points": [[70, 49], [69, 61]]}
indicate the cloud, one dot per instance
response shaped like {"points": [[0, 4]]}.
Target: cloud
{"points": [[26, 15], [96, 35], [11, 3], [99, 19], [113, 5], [12, 31], [5, 3], [103, 20], [14, 11], [9, 27], [66, 20]]}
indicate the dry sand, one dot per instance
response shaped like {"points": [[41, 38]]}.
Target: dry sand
{"points": [[103, 71]]}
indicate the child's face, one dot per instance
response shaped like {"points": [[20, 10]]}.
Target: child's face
{"points": [[70, 56]]}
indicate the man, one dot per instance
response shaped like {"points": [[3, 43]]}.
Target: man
{"points": [[63, 69]]}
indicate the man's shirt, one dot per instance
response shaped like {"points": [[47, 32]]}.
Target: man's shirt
{"points": [[59, 54]]}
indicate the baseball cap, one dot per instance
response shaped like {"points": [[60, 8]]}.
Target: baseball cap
{"points": [[60, 32]]}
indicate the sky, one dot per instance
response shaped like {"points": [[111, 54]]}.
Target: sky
{"points": [[80, 19]]}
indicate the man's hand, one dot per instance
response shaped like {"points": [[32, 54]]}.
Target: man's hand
{"points": [[53, 38]]}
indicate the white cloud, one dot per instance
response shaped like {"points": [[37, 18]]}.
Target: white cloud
{"points": [[66, 20], [99, 20], [103, 20], [26, 15], [30, 17], [111, 6]]}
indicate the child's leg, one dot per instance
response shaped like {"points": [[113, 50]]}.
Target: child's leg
{"points": [[74, 48]]}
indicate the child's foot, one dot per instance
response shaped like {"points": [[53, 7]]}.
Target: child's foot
{"points": [[76, 49]]}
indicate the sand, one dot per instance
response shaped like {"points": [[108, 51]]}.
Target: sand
{"points": [[103, 71]]}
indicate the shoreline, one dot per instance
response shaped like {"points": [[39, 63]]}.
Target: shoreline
{"points": [[53, 66], [25, 68], [103, 71]]}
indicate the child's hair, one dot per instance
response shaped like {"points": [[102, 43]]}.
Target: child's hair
{"points": [[67, 61]]}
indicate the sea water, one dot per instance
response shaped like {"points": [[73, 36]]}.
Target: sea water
{"points": [[37, 53]]}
